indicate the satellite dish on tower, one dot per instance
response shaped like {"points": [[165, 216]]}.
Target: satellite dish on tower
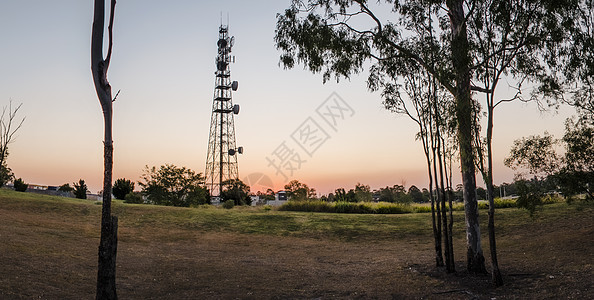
{"points": [[221, 65], [222, 43], [234, 85], [236, 109], [240, 150], [231, 151]]}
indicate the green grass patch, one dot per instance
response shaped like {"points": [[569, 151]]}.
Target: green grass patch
{"points": [[385, 221]]}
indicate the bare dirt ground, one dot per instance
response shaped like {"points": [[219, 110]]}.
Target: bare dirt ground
{"points": [[49, 255]]}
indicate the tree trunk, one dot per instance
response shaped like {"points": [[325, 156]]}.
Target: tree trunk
{"points": [[495, 273], [449, 255], [449, 262], [436, 232], [436, 198], [461, 63], [106, 286]]}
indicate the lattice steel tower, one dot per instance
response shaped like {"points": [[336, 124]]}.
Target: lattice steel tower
{"points": [[221, 159]]}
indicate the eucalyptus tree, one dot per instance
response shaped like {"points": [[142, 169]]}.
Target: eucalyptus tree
{"points": [[515, 41], [425, 103], [106, 287], [337, 37], [475, 45], [579, 66]]}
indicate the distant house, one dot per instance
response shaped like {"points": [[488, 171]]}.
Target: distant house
{"points": [[255, 200], [280, 198]]}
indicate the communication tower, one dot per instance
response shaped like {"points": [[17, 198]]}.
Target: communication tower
{"points": [[221, 159]]}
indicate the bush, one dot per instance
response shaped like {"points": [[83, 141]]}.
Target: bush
{"points": [[65, 188], [134, 197], [229, 204], [80, 189], [6, 174], [422, 209], [346, 207], [505, 203], [121, 188], [236, 190], [20, 185]]}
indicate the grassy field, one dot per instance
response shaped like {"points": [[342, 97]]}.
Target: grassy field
{"points": [[48, 250]]}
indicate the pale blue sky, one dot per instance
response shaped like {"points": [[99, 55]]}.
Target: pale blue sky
{"points": [[163, 61]]}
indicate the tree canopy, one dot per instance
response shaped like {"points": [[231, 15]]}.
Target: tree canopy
{"points": [[122, 187], [236, 190], [173, 186], [299, 191]]}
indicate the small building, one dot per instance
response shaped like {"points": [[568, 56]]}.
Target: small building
{"points": [[255, 200], [280, 198]]}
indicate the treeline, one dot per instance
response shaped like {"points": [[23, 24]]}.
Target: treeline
{"points": [[298, 191]]}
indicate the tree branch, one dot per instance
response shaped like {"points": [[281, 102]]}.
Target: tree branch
{"points": [[110, 32]]}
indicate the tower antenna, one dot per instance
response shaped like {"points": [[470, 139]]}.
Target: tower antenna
{"points": [[221, 158]]}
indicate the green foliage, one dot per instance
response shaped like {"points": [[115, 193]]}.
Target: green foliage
{"points": [[422, 209], [20, 185], [396, 193], [505, 203], [121, 188], [577, 174], [416, 195], [229, 204], [173, 186], [340, 195], [236, 191], [535, 153], [80, 189], [572, 173], [530, 192], [66, 188], [346, 207], [299, 191], [6, 174], [363, 193], [269, 195], [134, 197]]}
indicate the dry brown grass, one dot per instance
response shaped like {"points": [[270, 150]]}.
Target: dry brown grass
{"points": [[48, 250]]}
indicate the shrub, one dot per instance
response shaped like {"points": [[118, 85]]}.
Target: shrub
{"points": [[346, 207], [134, 197], [505, 203], [236, 190], [393, 208], [422, 209], [6, 174], [121, 188], [20, 185], [80, 189], [65, 188], [229, 204]]}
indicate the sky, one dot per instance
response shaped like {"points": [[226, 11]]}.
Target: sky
{"points": [[163, 63]]}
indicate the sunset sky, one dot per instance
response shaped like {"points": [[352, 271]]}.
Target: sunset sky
{"points": [[163, 62]]}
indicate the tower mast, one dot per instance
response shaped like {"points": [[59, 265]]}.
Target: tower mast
{"points": [[221, 159]]}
